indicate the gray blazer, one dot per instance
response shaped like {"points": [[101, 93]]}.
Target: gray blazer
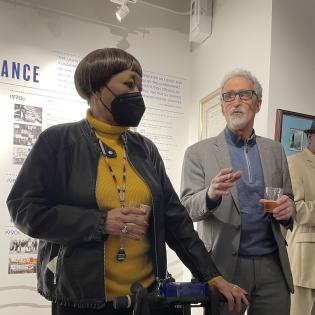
{"points": [[219, 228]]}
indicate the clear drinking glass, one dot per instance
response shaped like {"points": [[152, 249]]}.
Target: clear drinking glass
{"points": [[146, 208], [272, 194]]}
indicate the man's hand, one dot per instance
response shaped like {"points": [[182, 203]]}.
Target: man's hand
{"points": [[222, 182], [234, 294], [285, 209]]}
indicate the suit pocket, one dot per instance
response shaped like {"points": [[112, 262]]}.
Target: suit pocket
{"points": [[305, 238]]}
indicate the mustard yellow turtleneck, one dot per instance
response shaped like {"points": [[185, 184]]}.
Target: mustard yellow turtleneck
{"points": [[137, 266]]}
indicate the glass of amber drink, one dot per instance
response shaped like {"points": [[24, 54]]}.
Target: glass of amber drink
{"points": [[272, 194], [144, 207]]}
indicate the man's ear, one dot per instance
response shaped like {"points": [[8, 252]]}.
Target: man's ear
{"points": [[258, 106]]}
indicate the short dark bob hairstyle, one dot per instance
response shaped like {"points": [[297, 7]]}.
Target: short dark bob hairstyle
{"points": [[96, 69]]}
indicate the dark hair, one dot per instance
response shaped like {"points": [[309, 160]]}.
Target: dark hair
{"points": [[97, 68]]}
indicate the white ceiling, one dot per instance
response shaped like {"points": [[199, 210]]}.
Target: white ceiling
{"points": [[176, 5], [102, 12]]}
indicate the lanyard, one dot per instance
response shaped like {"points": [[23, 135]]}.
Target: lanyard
{"points": [[121, 189]]}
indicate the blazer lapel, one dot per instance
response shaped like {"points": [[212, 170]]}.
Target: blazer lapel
{"points": [[222, 155]]}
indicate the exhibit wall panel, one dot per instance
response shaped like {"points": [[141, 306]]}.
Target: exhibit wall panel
{"points": [[41, 44]]}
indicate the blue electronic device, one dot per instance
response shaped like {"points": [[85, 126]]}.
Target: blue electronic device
{"points": [[184, 289]]}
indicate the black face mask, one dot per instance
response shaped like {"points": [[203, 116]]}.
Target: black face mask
{"points": [[127, 109]]}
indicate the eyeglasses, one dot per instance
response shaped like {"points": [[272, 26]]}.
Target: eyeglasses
{"points": [[244, 95]]}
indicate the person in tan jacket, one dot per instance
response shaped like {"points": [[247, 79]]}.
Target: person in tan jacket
{"points": [[301, 241]]}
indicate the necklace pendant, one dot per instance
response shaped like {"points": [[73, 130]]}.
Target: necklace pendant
{"points": [[121, 254]]}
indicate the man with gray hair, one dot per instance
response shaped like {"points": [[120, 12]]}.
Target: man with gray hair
{"points": [[223, 185]]}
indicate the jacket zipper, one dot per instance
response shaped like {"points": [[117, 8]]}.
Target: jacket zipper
{"points": [[124, 138], [249, 167], [104, 282], [57, 266], [104, 250]]}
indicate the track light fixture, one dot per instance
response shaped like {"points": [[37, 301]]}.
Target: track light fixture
{"points": [[123, 10]]}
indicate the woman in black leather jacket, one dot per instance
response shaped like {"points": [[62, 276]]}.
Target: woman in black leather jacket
{"points": [[78, 192]]}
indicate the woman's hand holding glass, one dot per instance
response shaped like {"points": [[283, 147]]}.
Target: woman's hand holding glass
{"points": [[130, 222]]}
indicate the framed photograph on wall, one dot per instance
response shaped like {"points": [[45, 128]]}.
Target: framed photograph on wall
{"points": [[211, 121], [290, 128]]}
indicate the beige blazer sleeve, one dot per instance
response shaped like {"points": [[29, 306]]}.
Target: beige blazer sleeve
{"points": [[302, 171], [301, 240]]}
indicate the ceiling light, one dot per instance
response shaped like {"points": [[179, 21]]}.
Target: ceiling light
{"points": [[122, 12]]}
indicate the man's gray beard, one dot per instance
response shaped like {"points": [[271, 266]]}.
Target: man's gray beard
{"points": [[238, 122]]}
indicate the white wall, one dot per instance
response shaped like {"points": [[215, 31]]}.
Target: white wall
{"points": [[240, 39], [292, 66]]}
